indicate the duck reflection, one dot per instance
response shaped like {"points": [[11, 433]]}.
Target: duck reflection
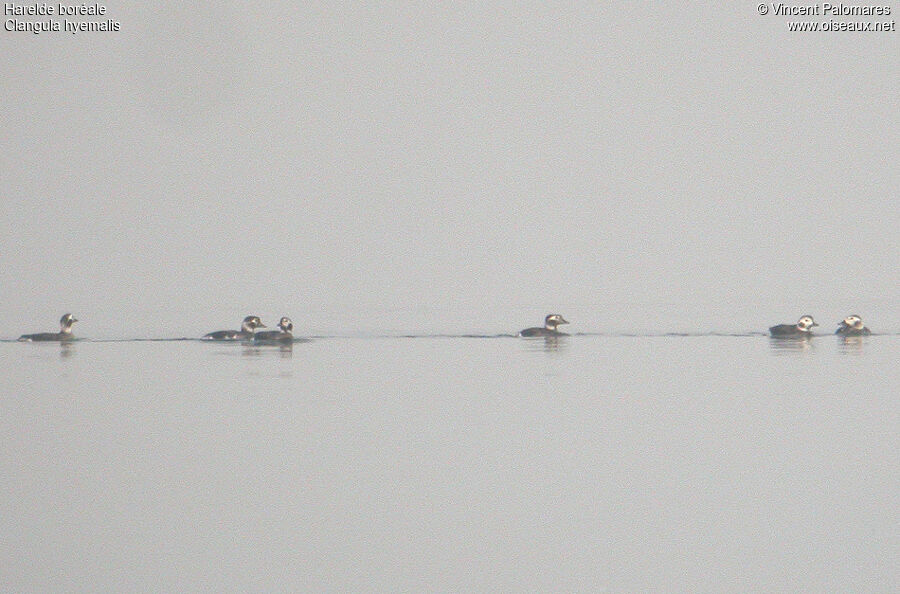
{"points": [[284, 350], [793, 344], [66, 349], [851, 345], [547, 344]]}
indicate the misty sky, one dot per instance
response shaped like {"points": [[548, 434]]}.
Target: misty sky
{"points": [[207, 162]]}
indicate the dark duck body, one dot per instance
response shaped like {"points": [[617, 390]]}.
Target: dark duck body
{"points": [[282, 335], [852, 326], [65, 332], [551, 322], [249, 324], [799, 330]]}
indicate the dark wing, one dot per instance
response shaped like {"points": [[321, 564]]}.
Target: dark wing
{"points": [[273, 336], [222, 335], [42, 336], [783, 330]]}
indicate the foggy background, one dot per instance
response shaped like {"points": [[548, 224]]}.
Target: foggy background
{"points": [[396, 169], [378, 167]]}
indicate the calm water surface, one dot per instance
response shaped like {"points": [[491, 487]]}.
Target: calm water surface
{"points": [[594, 463]]}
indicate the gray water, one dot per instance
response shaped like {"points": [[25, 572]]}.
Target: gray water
{"points": [[412, 184], [677, 463]]}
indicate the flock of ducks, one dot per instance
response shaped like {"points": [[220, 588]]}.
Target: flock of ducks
{"points": [[248, 332], [849, 326]]}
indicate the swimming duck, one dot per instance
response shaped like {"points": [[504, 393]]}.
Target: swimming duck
{"points": [[799, 330], [852, 326], [65, 331], [283, 334], [249, 324], [550, 324]]}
